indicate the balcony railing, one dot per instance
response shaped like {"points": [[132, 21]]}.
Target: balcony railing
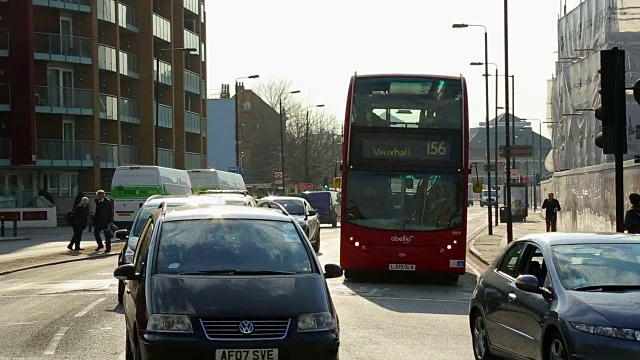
{"points": [[108, 156], [64, 48], [203, 127], [107, 10], [166, 158], [4, 42], [192, 122], [5, 97], [192, 82], [129, 65], [129, 111], [192, 40], [63, 100], [108, 107], [203, 90], [128, 17], [165, 116], [192, 5], [202, 12], [162, 28], [129, 155], [107, 58], [165, 72], [64, 153], [5, 152], [193, 161], [77, 5]]}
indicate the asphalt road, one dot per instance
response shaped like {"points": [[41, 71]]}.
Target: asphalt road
{"points": [[70, 311]]}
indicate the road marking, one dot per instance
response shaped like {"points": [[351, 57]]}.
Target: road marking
{"points": [[404, 298], [19, 323], [84, 311], [53, 345]]}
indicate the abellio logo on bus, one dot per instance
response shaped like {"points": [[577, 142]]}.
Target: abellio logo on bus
{"points": [[402, 239]]}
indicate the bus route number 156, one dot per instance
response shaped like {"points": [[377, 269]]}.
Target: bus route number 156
{"points": [[436, 148]]}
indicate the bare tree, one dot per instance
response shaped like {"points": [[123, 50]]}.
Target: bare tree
{"points": [[273, 89]]}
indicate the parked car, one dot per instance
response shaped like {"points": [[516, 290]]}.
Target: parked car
{"points": [[227, 282], [131, 236], [560, 296], [326, 203], [301, 210]]}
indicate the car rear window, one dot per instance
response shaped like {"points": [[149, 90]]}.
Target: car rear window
{"points": [[221, 244]]}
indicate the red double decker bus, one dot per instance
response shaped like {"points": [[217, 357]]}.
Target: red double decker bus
{"points": [[404, 175]]}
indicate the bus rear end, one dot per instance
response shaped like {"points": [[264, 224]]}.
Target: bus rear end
{"points": [[404, 175]]}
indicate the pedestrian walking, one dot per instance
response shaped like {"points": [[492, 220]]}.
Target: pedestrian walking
{"points": [[103, 220], [81, 218], [632, 217], [552, 206]]}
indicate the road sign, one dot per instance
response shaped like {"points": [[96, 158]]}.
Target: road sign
{"points": [[278, 175], [526, 179], [517, 151], [515, 174], [235, 170], [305, 186]]}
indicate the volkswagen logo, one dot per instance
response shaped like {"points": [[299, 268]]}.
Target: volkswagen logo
{"points": [[246, 327]]}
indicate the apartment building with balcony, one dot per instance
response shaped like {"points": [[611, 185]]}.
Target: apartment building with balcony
{"points": [[78, 88]]}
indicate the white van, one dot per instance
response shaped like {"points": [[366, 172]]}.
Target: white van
{"points": [[211, 179], [133, 185]]}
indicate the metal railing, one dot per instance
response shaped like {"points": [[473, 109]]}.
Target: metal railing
{"points": [[108, 107], [74, 3], [5, 149], [108, 155], [193, 160], [107, 10], [192, 122], [129, 65], [5, 95], [55, 96], [4, 42], [192, 82], [65, 45], [128, 17], [192, 5], [165, 116], [107, 58], [192, 40], [203, 127], [129, 111], [65, 150], [129, 155], [165, 72], [162, 28], [166, 158]]}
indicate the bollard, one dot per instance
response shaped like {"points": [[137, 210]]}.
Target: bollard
{"points": [[1, 228], [15, 228]]}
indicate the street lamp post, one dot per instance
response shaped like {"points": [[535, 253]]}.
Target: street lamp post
{"points": [[507, 147], [306, 144], [284, 189], [486, 84], [238, 119], [157, 98]]}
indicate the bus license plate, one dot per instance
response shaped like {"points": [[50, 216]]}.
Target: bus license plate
{"points": [[402, 267], [247, 354]]}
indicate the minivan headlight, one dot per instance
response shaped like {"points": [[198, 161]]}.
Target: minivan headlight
{"points": [[169, 323], [316, 322]]}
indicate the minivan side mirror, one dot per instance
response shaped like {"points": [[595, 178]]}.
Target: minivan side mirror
{"points": [[122, 234], [332, 271], [125, 272]]}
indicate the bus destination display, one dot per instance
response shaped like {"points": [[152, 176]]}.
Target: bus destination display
{"points": [[406, 149]]}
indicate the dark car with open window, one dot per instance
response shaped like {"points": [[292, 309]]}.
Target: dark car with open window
{"points": [[227, 282], [560, 296]]}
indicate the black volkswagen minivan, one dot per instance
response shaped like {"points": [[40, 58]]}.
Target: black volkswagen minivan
{"points": [[326, 205], [227, 283]]}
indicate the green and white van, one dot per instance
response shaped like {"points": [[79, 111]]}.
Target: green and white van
{"points": [[211, 179], [133, 185]]}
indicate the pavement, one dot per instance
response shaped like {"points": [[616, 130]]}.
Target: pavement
{"points": [[38, 247], [486, 248]]}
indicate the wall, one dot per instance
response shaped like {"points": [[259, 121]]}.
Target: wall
{"points": [[221, 134]]}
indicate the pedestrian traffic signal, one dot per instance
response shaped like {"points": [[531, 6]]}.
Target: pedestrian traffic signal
{"points": [[326, 183], [612, 110]]}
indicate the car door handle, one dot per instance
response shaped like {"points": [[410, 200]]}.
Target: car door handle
{"points": [[512, 296]]}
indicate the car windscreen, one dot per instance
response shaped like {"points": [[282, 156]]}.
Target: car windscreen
{"points": [[210, 245], [293, 207], [585, 265]]}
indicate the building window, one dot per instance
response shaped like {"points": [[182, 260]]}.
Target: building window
{"points": [[63, 184]]}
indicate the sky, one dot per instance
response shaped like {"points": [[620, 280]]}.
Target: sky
{"points": [[319, 46]]}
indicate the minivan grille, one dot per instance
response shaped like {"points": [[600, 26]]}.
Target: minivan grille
{"points": [[230, 329]]}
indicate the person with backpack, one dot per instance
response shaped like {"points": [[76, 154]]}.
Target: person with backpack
{"points": [[103, 221], [632, 217], [79, 221]]}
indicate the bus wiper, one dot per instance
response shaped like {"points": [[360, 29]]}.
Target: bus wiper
{"points": [[607, 288], [238, 272]]}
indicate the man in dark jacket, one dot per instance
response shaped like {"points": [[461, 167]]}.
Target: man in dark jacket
{"points": [[632, 217], [81, 217], [552, 207], [102, 218]]}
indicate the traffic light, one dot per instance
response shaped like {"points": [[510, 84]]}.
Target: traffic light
{"points": [[612, 110], [326, 183]]}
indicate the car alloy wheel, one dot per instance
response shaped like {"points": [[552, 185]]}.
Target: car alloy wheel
{"points": [[557, 350], [480, 343]]}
